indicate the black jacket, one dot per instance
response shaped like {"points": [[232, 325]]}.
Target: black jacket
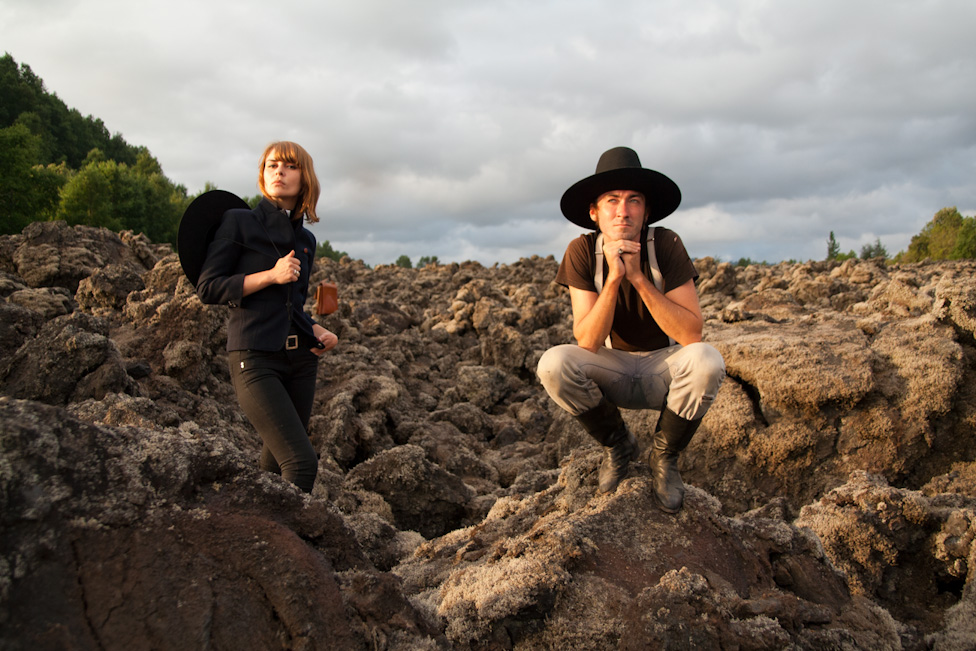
{"points": [[246, 242]]}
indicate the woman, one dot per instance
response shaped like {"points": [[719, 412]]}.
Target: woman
{"points": [[259, 265]]}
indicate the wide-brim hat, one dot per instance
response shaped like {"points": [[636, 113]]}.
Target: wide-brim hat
{"points": [[198, 225], [620, 169]]}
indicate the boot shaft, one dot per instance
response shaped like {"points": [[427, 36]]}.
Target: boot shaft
{"points": [[673, 433], [671, 436], [604, 423]]}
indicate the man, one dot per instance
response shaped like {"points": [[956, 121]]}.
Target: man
{"points": [[638, 345]]}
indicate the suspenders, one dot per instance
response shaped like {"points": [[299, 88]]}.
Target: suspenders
{"points": [[656, 275]]}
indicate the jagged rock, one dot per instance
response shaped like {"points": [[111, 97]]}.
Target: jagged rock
{"points": [[868, 528], [777, 362], [48, 301], [53, 254], [170, 538], [455, 505], [567, 569], [71, 359], [17, 325], [485, 386], [424, 497], [105, 291], [956, 301]]}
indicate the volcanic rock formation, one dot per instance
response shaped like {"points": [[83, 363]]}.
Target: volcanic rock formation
{"points": [[830, 503]]}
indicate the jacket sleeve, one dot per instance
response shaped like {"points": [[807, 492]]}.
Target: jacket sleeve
{"points": [[219, 281]]}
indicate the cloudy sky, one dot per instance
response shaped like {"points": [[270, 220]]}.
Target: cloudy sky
{"points": [[451, 128]]}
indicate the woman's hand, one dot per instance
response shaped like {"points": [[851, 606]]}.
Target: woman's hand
{"points": [[287, 270], [326, 338]]}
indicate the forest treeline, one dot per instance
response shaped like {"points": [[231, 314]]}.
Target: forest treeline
{"points": [[57, 164], [948, 236]]}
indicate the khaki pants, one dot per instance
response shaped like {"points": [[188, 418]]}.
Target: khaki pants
{"points": [[684, 378]]}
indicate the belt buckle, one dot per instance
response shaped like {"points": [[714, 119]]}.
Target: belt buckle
{"points": [[291, 342]]}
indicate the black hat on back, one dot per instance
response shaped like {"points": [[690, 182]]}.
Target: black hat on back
{"points": [[198, 225]]}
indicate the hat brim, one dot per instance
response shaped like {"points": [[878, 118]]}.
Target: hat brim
{"points": [[197, 227], [661, 193]]}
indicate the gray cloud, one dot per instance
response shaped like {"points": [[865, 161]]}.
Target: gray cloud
{"points": [[452, 129]]}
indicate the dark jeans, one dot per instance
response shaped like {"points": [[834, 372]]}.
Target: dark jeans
{"points": [[276, 390]]}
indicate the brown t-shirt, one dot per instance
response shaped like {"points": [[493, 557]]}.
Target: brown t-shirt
{"points": [[633, 326]]}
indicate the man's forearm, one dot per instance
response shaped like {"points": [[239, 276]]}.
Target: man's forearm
{"points": [[677, 321], [592, 330]]}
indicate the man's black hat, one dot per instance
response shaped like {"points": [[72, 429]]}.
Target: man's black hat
{"points": [[620, 169], [197, 228]]}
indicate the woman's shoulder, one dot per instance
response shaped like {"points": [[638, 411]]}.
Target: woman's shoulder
{"points": [[239, 214], [231, 219]]}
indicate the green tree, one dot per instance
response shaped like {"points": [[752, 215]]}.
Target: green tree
{"points": [[325, 250], [56, 163], [28, 192], [87, 197], [426, 260], [965, 248], [47, 147], [833, 248], [119, 197], [942, 232], [918, 249], [404, 261], [66, 136], [47, 182], [19, 88], [745, 262], [167, 200], [876, 250], [939, 238]]}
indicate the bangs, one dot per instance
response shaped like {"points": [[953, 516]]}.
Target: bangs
{"points": [[284, 152]]}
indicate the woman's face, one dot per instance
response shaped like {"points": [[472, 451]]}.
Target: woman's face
{"points": [[282, 181]]}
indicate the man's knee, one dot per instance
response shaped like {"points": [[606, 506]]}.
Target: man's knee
{"points": [[699, 373], [696, 378], [560, 371], [705, 361], [553, 363]]}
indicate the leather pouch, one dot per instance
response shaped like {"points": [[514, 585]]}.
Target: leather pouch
{"points": [[326, 298]]}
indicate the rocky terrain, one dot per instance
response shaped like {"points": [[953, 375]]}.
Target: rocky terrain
{"points": [[832, 486]]}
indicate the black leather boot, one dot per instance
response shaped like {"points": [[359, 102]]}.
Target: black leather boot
{"points": [[672, 435], [605, 424]]}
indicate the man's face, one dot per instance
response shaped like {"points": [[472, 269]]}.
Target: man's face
{"points": [[620, 214]]}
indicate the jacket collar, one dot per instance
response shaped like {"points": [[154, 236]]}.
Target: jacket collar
{"points": [[268, 210]]}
